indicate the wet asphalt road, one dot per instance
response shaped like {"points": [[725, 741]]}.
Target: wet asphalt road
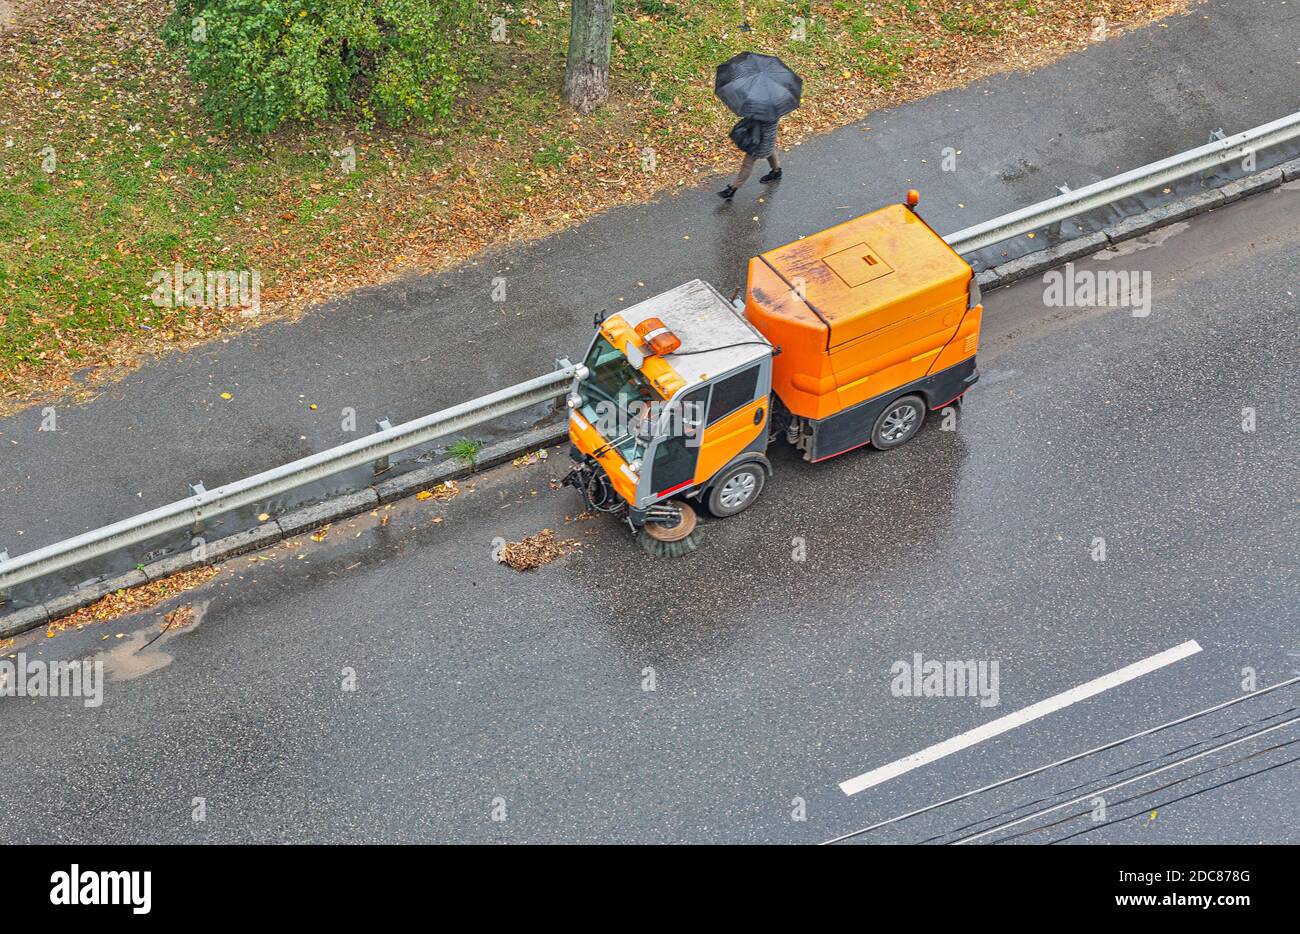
{"points": [[420, 344], [479, 688]]}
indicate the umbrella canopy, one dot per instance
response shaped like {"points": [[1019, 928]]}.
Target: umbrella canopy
{"points": [[758, 86]]}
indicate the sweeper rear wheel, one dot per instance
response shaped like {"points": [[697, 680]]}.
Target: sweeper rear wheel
{"points": [[663, 537]]}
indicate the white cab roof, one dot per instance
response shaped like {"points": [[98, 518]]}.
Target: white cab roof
{"points": [[705, 321]]}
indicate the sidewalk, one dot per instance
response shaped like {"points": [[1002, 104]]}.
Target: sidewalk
{"points": [[408, 348]]}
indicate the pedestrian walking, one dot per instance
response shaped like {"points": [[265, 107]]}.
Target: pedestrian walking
{"points": [[761, 140], [760, 89]]}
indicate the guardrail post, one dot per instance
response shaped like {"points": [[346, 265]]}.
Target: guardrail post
{"points": [[1216, 136], [562, 363], [381, 465], [196, 489], [1054, 230]]}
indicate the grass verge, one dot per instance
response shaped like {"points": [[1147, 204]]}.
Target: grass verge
{"points": [[111, 174]]}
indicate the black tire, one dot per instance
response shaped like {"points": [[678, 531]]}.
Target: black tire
{"points": [[736, 490], [898, 422]]}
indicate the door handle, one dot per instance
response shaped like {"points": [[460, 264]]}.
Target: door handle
{"points": [[758, 415]]}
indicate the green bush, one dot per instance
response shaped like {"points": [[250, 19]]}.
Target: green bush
{"points": [[262, 62]]}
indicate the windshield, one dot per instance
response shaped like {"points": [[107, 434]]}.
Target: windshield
{"points": [[613, 392]]}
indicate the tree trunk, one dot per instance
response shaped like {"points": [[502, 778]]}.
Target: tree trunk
{"points": [[586, 79]]}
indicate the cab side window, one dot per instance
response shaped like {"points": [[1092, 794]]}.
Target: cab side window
{"points": [[675, 455], [732, 393]]}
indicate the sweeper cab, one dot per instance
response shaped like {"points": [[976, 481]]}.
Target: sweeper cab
{"points": [[847, 337]]}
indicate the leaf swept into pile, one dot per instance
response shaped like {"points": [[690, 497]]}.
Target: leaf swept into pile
{"points": [[442, 493], [180, 617], [536, 550], [132, 600]]}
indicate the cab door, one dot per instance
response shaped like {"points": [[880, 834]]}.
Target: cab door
{"points": [[674, 455], [737, 418]]}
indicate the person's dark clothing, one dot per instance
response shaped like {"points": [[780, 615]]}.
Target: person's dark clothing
{"points": [[766, 140], [764, 148]]}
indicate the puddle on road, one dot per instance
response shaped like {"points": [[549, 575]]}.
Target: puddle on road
{"points": [[141, 652], [1144, 242]]}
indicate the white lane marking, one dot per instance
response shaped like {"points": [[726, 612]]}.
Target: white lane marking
{"points": [[1068, 759], [1137, 778], [1012, 720]]}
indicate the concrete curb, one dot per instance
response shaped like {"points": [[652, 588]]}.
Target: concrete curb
{"points": [[346, 505], [1031, 264], [296, 522]]}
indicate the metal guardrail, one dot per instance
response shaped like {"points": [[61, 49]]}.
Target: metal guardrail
{"points": [[204, 504], [1116, 188]]}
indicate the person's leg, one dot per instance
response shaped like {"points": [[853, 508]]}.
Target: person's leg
{"points": [[746, 167], [775, 174]]}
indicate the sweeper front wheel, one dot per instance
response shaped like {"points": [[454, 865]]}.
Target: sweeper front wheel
{"points": [[670, 531], [736, 490]]}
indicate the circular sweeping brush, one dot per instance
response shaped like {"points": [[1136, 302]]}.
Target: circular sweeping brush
{"points": [[671, 539]]}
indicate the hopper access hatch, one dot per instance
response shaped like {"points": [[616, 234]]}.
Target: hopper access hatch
{"points": [[858, 264]]}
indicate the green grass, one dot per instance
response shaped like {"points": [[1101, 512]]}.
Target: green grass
{"points": [[158, 185], [466, 451], [145, 181], [967, 21]]}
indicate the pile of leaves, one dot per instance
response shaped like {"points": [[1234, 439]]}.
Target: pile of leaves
{"points": [[179, 618], [132, 600], [443, 492], [536, 551], [532, 457]]}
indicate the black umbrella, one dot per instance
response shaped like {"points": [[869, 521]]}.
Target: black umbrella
{"points": [[758, 86]]}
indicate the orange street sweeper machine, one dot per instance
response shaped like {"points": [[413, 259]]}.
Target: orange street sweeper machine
{"points": [[846, 338]]}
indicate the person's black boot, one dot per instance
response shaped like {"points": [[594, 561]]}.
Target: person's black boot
{"points": [[727, 193], [772, 176]]}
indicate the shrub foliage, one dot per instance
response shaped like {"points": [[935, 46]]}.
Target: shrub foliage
{"points": [[261, 62]]}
